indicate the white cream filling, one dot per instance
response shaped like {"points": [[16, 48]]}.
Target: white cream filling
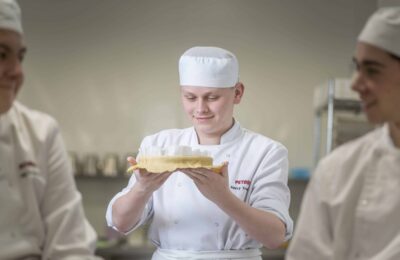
{"points": [[172, 151]]}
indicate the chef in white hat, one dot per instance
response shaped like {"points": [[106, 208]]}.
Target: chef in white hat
{"points": [[196, 213], [41, 211], [351, 208]]}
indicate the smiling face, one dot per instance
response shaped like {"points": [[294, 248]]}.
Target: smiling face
{"points": [[12, 52], [377, 81], [211, 109]]}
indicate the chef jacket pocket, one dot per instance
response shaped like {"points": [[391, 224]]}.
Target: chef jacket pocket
{"points": [[33, 183]]}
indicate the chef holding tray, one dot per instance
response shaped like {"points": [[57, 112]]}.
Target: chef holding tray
{"points": [[200, 212]]}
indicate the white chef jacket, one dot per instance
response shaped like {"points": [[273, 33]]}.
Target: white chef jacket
{"points": [[351, 209], [183, 219], [41, 211]]}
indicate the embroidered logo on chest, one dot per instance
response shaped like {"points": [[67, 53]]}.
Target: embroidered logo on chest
{"points": [[241, 185], [26, 168]]}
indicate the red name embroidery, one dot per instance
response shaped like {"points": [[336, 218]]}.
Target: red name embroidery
{"points": [[247, 182], [23, 165]]}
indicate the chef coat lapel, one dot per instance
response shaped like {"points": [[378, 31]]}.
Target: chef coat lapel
{"points": [[12, 202], [386, 143], [233, 133], [26, 161]]}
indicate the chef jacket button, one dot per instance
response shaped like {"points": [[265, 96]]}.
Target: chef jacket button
{"points": [[216, 224], [176, 222], [228, 155], [179, 184]]}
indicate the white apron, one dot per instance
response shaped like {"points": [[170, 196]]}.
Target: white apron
{"points": [[168, 254]]}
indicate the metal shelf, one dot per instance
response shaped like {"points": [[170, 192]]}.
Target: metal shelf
{"points": [[329, 108]]}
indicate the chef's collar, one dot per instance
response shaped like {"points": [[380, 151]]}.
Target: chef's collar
{"points": [[388, 143], [5, 122], [234, 132]]}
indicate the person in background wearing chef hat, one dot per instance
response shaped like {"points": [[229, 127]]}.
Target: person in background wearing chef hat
{"points": [[196, 213], [41, 211], [351, 209]]}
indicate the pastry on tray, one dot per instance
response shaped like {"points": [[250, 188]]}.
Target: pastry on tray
{"points": [[159, 159]]}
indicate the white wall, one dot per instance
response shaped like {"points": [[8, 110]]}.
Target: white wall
{"points": [[107, 70]]}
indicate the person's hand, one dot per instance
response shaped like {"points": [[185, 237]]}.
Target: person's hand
{"points": [[148, 182], [213, 186]]}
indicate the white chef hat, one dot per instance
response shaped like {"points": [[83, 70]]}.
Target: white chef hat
{"points": [[208, 67], [383, 28], [10, 16]]}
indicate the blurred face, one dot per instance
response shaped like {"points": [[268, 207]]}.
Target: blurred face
{"points": [[12, 52], [377, 81], [211, 109]]}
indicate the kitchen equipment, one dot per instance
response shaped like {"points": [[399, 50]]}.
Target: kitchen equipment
{"points": [[91, 165], [110, 165], [75, 164]]}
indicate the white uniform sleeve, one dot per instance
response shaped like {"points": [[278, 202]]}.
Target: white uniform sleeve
{"points": [[68, 233], [270, 191], [148, 210], [313, 236]]}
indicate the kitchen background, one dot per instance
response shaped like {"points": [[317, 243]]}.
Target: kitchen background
{"points": [[107, 70]]}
